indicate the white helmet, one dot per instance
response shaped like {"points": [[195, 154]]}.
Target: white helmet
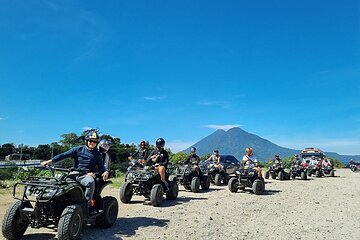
{"points": [[104, 145]]}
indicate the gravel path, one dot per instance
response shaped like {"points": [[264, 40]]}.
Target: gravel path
{"points": [[319, 208]]}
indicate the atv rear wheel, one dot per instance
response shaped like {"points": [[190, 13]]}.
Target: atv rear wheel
{"points": [[126, 192], [14, 223], [281, 176], [317, 174], [156, 195], [267, 175], [195, 184], [226, 178], [258, 187], [233, 184], [218, 179], [303, 176], [332, 173], [70, 223], [174, 190], [205, 183], [109, 214]]}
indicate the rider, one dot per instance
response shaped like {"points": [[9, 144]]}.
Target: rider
{"points": [[159, 159], [250, 159], [326, 163], [296, 160], [104, 146], [142, 153], [194, 160], [277, 160], [86, 158], [215, 157]]}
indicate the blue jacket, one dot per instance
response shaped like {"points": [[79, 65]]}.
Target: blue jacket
{"points": [[84, 159]]}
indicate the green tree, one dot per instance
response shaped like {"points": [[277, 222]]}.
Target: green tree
{"points": [[178, 158]]}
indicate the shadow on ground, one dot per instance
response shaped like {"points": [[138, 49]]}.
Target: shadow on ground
{"points": [[123, 227]]}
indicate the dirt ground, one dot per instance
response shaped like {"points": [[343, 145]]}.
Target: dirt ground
{"points": [[319, 208]]}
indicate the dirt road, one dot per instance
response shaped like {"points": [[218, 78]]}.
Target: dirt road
{"points": [[319, 208]]}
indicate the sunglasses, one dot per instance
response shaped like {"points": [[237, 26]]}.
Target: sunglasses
{"points": [[92, 141]]}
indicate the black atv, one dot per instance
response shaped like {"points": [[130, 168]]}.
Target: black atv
{"points": [[247, 177], [143, 180], [59, 203], [299, 171], [217, 174], [276, 171], [316, 170], [191, 180], [328, 171]]}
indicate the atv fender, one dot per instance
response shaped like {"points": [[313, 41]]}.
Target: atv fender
{"points": [[172, 178]]}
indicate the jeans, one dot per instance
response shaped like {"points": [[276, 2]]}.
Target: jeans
{"points": [[89, 183]]}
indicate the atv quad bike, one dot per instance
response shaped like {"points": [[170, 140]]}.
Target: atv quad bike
{"points": [[276, 171], [328, 171], [315, 170], [217, 174], [191, 180], [59, 203], [247, 177], [299, 171], [144, 181]]}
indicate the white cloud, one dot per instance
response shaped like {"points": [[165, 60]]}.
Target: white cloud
{"points": [[179, 145], [223, 127], [222, 104], [2, 119], [86, 128], [154, 98]]}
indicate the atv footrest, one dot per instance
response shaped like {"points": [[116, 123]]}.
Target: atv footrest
{"points": [[28, 210]]}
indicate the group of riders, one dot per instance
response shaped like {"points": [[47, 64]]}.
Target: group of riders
{"points": [[93, 157]]}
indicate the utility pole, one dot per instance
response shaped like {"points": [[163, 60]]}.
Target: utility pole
{"points": [[52, 150]]}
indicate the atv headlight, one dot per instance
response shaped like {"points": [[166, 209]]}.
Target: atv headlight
{"points": [[237, 172]]}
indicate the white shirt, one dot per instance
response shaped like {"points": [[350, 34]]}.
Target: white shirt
{"points": [[252, 158]]}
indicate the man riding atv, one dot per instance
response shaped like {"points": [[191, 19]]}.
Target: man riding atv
{"points": [[194, 160], [86, 159], [142, 153], [276, 169], [159, 159]]}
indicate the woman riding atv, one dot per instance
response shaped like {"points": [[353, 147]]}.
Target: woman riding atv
{"points": [[159, 159], [194, 160], [250, 160]]}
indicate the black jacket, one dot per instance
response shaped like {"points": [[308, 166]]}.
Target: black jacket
{"points": [[162, 159], [192, 159]]}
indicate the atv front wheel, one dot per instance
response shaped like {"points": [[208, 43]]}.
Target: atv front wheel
{"points": [[109, 214], [303, 176], [332, 173], [273, 175], [258, 186], [70, 223], [126, 192], [156, 195], [174, 190], [218, 179], [267, 175], [226, 178], [205, 183], [317, 174], [14, 223], [195, 184], [281, 176], [233, 184]]}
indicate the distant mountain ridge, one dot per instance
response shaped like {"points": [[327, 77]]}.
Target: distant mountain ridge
{"points": [[235, 140]]}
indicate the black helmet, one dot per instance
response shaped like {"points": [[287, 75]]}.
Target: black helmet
{"points": [[193, 149], [92, 135], [295, 155], [104, 145], [276, 156], [160, 143]]}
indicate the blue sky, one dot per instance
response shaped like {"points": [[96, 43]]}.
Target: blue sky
{"points": [[287, 71]]}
